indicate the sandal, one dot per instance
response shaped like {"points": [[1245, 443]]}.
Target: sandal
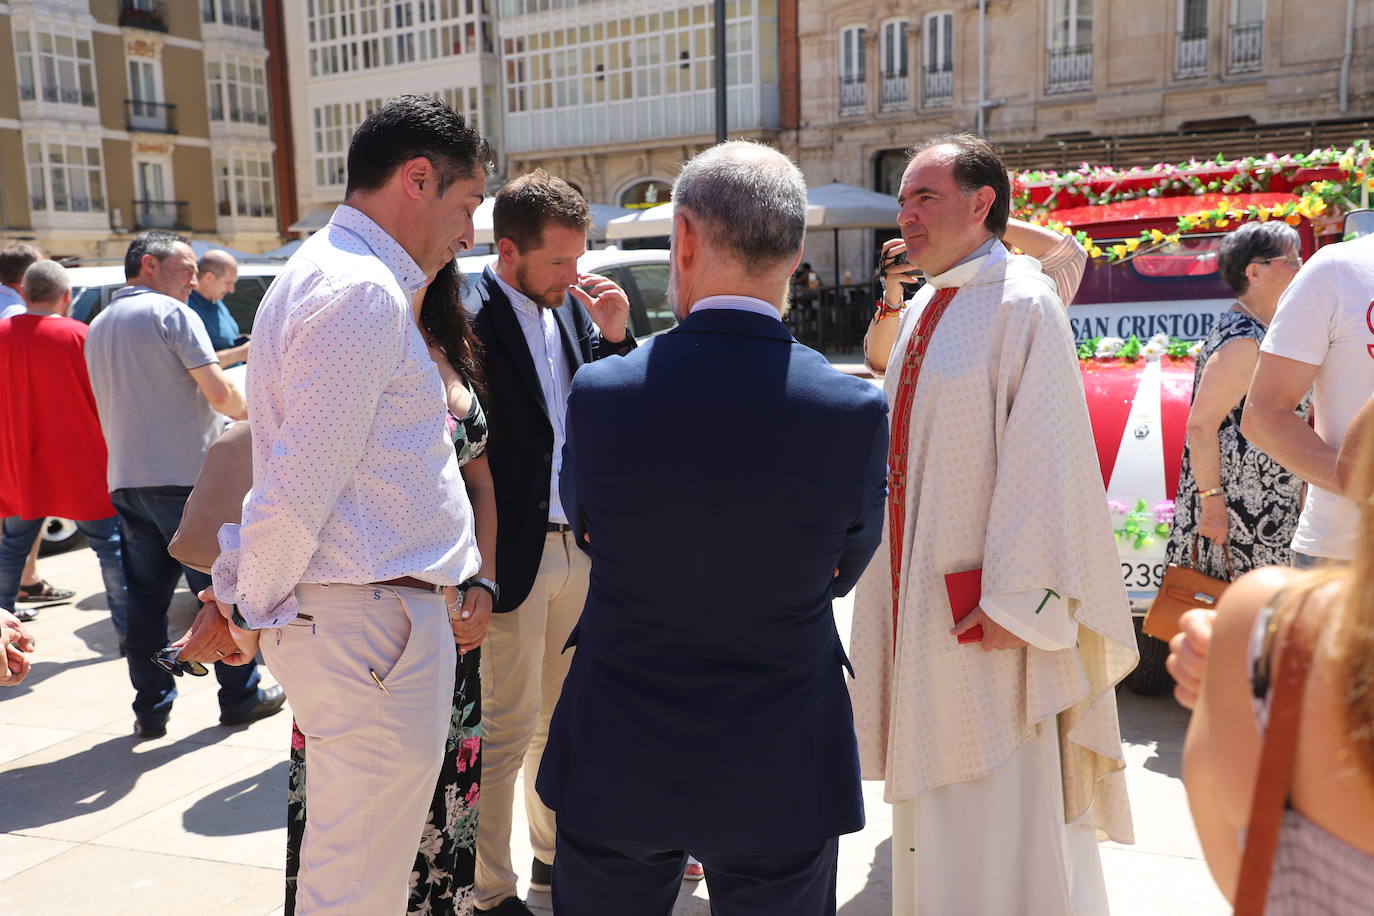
{"points": [[42, 591]]}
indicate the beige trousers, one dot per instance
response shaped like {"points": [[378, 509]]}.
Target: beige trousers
{"points": [[997, 844], [374, 753], [523, 667]]}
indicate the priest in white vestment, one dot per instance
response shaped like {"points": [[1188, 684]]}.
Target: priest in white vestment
{"points": [[1003, 759]]}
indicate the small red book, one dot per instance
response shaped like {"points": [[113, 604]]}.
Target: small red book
{"points": [[965, 590]]}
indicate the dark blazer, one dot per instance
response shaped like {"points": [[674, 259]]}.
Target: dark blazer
{"points": [[520, 441], [724, 472]]}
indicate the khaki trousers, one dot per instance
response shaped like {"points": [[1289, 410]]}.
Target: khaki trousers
{"points": [[523, 667], [374, 754]]}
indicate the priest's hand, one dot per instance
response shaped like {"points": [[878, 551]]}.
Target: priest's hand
{"points": [[606, 302], [995, 636], [208, 640], [1188, 654]]}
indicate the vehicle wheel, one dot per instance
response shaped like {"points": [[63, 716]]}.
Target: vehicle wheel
{"points": [[59, 536], [1150, 677]]}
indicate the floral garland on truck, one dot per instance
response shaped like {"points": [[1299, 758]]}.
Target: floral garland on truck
{"points": [[1127, 350]]}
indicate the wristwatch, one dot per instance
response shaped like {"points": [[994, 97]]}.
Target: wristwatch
{"points": [[490, 587]]}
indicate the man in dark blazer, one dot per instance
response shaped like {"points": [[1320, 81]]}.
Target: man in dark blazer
{"points": [[727, 482], [539, 320]]}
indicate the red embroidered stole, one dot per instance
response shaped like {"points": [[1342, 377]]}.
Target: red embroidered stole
{"points": [[900, 439]]}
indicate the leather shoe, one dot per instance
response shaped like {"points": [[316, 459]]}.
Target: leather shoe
{"points": [[541, 876], [145, 730], [270, 701], [511, 906]]}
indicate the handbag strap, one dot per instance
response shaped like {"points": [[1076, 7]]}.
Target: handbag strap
{"points": [[1293, 650], [1226, 552]]}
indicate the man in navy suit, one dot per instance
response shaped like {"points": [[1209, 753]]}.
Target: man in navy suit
{"points": [[539, 320], [727, 483]]}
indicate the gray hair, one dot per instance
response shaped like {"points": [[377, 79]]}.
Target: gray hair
{"points": [[160, 243], [749, 199], [1250, 243], [45, 282]]}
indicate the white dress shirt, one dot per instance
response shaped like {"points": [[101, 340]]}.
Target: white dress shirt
{"points": [[354, 476], [740, 303], [555, 376], [11, 303]]}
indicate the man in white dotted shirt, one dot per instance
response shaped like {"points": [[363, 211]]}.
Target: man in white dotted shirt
{"points": [[358, 516]]}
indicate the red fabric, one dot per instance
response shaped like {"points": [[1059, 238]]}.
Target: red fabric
{"points": [[52, 453], [1110, 389], [900, 441]]}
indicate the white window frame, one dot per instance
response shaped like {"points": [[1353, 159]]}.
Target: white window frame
{"points": [[931, 29], [1259, 20], [46, 166], [1182, 68], [235, 160], [895, 33], [851, 50], [1074, 13]]}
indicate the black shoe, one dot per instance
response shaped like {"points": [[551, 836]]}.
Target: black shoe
{"points": [[145, 730], [511, 906], [541, 876], [269, 703]]}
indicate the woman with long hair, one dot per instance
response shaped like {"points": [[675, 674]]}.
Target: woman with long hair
{"points": [[442, 881], [1325, 857]]}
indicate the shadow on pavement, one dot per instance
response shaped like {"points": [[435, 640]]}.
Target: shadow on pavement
{"points": [[252, 805], [1157, 720], [40, 671], [92, 780], [876, 895]]}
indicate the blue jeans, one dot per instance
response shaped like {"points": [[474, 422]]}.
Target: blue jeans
{"points": [[148, 518], [16, 540]]}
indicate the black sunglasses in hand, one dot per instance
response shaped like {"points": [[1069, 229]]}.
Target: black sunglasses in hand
{"points": [[169, 660]]}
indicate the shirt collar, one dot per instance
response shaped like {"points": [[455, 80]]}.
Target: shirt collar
{"points": [[8, 296], [198, 296], [740, 303], [133, 289], [518, 299], [386, 248], [960, 274]]}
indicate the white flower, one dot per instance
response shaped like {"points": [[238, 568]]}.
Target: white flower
{"points": [[1161, 339], [1153, 350], [1110, 346], [1195, 349]]}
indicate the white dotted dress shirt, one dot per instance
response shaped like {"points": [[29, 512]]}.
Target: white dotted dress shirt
{"points": [[555, 376], [354, 476]]}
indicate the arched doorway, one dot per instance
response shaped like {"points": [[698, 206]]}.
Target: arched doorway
{"points": [[645, 194]]}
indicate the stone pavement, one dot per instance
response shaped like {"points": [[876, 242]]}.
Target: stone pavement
{"points": [[93, 821]]}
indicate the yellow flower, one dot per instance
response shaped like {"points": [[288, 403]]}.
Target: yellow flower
{"points": [[1223, 223], [1094, 251], [1119, 251], [1132, 244], [1156, 236], [1172, 238]]}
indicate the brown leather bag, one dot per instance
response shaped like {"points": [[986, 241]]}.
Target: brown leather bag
{"points": [[1292, 655], [1183, 589], [217, 498]]}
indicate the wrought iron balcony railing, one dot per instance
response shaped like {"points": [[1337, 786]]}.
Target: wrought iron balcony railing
{"points": [[853, 95], [1246, 47], [1190, 57], [160, 214], [937, 87], [1069, 69], [143, 14], [151, 117], [894, 91]]}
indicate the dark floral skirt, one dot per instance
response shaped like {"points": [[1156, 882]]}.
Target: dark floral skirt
{"points": [[442, 881]]}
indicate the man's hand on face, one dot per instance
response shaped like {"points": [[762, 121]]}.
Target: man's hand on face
{"points": [[607, 304], [209, 639]]}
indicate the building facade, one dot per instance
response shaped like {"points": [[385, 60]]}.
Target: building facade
{"points": [[615, 94], [1065, 81], [348, 56], [123, 115]]}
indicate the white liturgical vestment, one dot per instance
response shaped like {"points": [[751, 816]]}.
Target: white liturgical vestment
{"points": [[1001, 475]]}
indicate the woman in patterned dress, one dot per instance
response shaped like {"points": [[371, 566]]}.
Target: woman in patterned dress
{"points": [[442, 881], [1232, 497]]}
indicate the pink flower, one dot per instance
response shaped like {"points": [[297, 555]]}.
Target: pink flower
{"points": [[1117, 506], [1164, 512], [297, 739], [474, 791], [467, 752]]}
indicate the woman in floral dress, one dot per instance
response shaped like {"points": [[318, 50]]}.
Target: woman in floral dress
{"points": [[1239, 505], [442, 881]]}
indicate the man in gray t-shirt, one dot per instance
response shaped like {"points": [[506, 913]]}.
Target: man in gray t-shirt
{"points": [[158, 387]]}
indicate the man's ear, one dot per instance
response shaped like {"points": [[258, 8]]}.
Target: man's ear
{"points": [[505, 249], [983, 199], [415, 175], [684, 239]]}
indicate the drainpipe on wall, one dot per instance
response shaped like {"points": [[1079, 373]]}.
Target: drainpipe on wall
{"points": [[983, 65], [1349, 52]]}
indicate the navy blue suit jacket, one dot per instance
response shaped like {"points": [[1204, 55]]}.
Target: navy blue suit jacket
{"points": [[724, 472]]}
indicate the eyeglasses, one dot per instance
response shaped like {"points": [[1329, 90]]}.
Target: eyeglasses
{"points": [[169, 660], [1292, 260]]}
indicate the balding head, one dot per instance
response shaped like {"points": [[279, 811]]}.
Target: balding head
{"points": [[47, 287], [748, 200], [216, 274]]}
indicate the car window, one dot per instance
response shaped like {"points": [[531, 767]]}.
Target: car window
{"points": [[85, 303], [243, 301], [652, 283]]}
